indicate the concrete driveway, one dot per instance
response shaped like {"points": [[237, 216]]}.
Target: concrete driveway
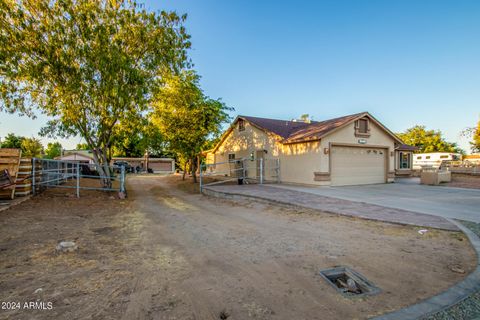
{"points": [[408, 194]]}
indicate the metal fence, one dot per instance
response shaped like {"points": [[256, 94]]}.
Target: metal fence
{"points": [[241, 171], [48, 173]]}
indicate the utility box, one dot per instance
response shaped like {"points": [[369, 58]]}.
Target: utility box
{"points": [[435, 177]]}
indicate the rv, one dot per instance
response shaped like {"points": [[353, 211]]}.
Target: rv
{"points": [[434, 159]]}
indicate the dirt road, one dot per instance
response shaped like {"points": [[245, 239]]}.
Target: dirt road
{"points": [[170, 254]]}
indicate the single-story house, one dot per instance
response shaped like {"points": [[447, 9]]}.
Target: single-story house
{"points": [[82, 156], [351, 150]]}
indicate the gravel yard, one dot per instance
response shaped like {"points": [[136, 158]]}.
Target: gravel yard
{"points": [[167, 252]]}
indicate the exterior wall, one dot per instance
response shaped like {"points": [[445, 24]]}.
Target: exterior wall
{"points": [[346, 136], [299, 161], [242, 144]]}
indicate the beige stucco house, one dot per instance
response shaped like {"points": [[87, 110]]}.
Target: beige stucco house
{"points": [[350, 150]]}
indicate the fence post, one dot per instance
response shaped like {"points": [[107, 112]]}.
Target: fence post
{"points": [[122, 179], [201, 177], [78, 179], [244, 171], [33, 176], [261, 170], [278, 170]]}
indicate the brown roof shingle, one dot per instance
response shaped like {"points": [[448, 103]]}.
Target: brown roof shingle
{"points": [[282, 128]]}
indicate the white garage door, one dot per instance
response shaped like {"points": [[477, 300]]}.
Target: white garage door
{"points": [[355, 165]]}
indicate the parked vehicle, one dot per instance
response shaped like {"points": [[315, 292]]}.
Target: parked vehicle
{"points": [[119, 164], [433, 159]]}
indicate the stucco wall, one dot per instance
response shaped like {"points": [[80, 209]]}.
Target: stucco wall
{"points": [[242, 144], [378, 137]]}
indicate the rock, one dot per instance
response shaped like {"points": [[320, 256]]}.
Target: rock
{"points": [[457, 269], [66, 301], [422, 231], [122, 195], [38, 291], [67, 246]]}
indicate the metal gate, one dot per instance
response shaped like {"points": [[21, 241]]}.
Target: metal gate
{"points": [[48, 173], [241, 171]]}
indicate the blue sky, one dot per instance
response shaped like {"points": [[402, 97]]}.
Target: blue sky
{"points": [[406, 62]]}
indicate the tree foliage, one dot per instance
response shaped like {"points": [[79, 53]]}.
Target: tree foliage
{"points": [[427, 140], [54, 149], [12, 141], [90, 65], [186, 118], [32, 148]]}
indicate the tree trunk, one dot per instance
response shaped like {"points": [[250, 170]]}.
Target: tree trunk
{"points": [[184, 171], [194, 168], [99, 158]]}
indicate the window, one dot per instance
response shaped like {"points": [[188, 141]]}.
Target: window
{"points": [[361, 128], [404, 160], [444, 157], [419, 158], [231, 156], [241, 125], [427, 157]]}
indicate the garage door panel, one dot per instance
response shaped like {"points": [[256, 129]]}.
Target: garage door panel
{"points": [[355, 165]]}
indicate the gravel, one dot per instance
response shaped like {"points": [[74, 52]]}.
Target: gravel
{"points": [[469, 308]]}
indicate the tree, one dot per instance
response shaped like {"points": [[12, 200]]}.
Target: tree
{"points": [[32, 147], [82, 146], [474, 134], [53, 150], [475, 144], [90, 65], [427, 140], [187, 118], [12, 141]]}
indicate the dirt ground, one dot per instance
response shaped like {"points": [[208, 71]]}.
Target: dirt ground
{"points": [[464, 181], [167, 252]]}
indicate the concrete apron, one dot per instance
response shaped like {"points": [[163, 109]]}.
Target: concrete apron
{"points": [[442, 301], [448, 298]]}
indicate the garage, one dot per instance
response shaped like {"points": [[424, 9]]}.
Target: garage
{"points": [[357, 165]]}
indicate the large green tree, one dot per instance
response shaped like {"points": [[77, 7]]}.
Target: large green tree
{"points": [[427, 140], [187, 118], [90, 65]]}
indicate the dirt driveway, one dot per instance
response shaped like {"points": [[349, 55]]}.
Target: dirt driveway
{"points": [[168, 253]]}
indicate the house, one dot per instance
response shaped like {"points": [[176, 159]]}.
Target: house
{"points": [[157, 165], [82, 156], [351, 150]]}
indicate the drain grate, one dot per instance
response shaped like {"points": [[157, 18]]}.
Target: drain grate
{"points": [[349, 282]]}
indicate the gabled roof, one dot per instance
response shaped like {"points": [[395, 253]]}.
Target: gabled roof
{"points": [[282, 128], [318, 130], [298, 131]]}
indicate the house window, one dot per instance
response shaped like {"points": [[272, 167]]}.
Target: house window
{"points": [[241, 125], [419, 158], [404, 160], [361, 128], [231, 157], [444, 157], [427, 157]]}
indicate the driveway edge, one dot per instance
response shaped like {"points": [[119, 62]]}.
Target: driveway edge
{"points": [[235, 195]]}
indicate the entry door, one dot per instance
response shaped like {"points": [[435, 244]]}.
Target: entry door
{"points": [[260, 154], [357, 165]]}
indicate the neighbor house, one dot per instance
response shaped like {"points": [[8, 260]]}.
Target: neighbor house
{"points": [[350, 150]]}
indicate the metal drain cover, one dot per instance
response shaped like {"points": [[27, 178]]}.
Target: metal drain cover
{"points": [[348, 282]]}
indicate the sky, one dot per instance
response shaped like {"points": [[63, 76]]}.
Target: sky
{"points": [[405, 62]]}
